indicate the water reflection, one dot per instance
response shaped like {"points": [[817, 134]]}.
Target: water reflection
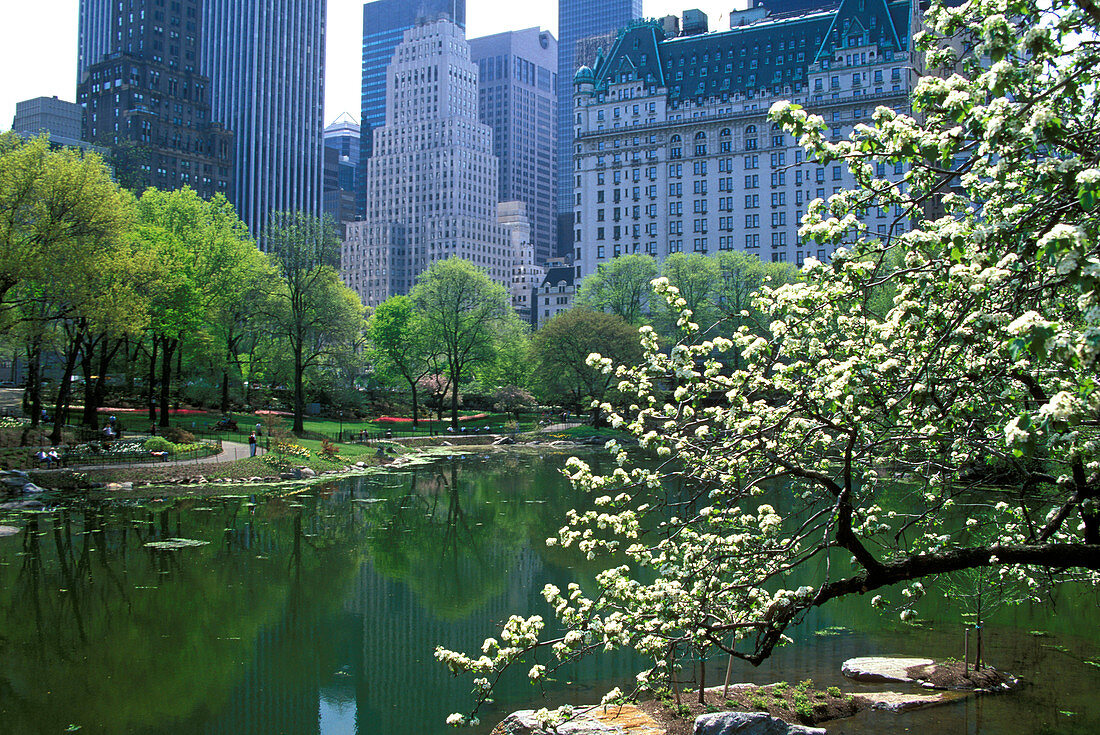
{"points": [[318, 613]]}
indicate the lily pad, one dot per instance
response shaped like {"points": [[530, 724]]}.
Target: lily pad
{"points": [[174, 544]]}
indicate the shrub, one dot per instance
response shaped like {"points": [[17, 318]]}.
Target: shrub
{"points": [[159, 444], [833, 691], [328, 449], [176, 435]]}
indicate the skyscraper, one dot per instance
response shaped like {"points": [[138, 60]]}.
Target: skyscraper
{"points": [[93, 34], [384, 26], [341, 170], [145, 100], [579, 19], [266, 63], [676, 153], [517, 77], [432, 175]]}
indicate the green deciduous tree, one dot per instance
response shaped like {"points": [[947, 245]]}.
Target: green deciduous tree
{"points": [[310, 308], [986, 353], [401, 345], [620, 287], [53, 203], [464, 312], [697, 277], [562, 348]]}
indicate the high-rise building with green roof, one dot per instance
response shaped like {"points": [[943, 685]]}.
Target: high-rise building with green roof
{"points": [[672, 148]]}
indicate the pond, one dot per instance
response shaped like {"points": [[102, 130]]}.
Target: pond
{"points": [[317, 611]]}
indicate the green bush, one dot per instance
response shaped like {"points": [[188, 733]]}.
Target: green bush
{"points": [[176, 435], [833, 691], [158, 444]]}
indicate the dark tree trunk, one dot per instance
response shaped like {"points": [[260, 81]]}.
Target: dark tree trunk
{"points": [[105, 357], [225, 390], [454, 401], [89, 417], [166, 378], [299, 392], [179, 373], [152, 387], [64, 390], [416, 415], [34, 380]]}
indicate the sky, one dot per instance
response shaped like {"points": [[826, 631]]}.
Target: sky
{"points": [[38, 43]]}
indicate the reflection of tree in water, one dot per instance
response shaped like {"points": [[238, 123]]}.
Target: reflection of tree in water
{"points": [[100, 631], [446, 539]]}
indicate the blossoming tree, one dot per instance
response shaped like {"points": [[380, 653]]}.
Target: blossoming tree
{"points": [[986, 356]]}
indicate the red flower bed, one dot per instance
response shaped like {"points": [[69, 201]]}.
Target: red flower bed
{"points": [[175, 411], [404, 420]]}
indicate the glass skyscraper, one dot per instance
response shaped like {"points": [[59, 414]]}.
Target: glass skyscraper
{"points": [[266, 63], [578, 19], [517, 78], [384, 26]]}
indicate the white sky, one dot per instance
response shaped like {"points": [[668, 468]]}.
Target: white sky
{"points": [[38, 43]]}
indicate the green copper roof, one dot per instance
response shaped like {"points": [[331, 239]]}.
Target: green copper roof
{"points": [[772, 53]]}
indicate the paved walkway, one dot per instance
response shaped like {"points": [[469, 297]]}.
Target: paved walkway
{"points": [[231, 451]]}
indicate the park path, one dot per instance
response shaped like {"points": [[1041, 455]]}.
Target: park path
{"points": [[231, 451]]}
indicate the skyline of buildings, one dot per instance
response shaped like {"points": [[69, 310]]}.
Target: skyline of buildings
{"points": [[667, 147], [266, 64], [432, 177], [145, 102], [517, 98], [384, 26], [577, 20], [673, 148], [342, 144]]}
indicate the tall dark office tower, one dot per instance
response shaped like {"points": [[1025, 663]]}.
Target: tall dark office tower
{"points": [[144, 98], [384, 26], [579, 19], [94, 34], [517, 77], [266, 63]]}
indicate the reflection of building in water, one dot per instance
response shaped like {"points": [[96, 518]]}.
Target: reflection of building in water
{"points": [[281, 689]]}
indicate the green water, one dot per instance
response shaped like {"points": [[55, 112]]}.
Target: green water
{"points": [[318, 613]]}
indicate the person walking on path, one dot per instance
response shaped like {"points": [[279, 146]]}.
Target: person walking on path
{"points": [[252, 444]]}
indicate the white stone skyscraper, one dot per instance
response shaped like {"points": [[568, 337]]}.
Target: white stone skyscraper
{"points": [[432, 175]]}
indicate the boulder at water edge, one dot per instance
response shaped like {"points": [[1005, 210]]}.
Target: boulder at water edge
{"points": [[748, 723], [876, 669], [307, 473], [625, 719], [523, 723]]}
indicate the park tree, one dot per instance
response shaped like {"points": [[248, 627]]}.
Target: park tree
{"points": [[200, 259], [562, 348], [696, 276], [400, 343], [53, 203], [620, 287], [985, 356], [464, 312], [310, 309]]}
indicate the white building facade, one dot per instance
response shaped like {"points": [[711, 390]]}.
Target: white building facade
{"points": [[673, 151], [432, 176]]}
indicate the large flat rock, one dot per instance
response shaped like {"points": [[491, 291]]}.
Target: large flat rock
{"points": [[903, 702], [877, 669], [748, 723], [611, 720], [8, 531]]}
